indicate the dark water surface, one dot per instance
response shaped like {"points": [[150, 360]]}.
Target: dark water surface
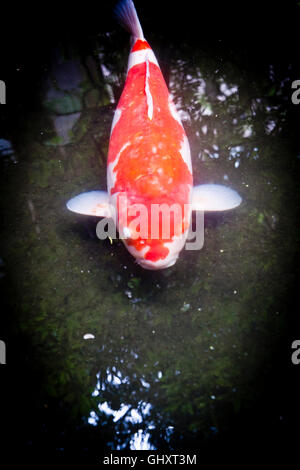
{"points": [[197, 356]]}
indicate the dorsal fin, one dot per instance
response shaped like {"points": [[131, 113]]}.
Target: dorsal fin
{"points": [[147, 90]]}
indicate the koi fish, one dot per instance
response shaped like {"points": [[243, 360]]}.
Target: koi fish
{"points": [[149, 161]]}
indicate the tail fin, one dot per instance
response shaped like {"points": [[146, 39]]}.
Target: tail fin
{"points": [[127, 16]]}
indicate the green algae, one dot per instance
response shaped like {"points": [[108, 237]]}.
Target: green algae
{"points": [[197, 333]]}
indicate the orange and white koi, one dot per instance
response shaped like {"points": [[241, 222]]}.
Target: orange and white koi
{"points": [[149, 160]]}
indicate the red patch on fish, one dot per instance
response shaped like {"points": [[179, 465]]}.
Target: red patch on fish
{"points": [[150, 168], [139, 45]]}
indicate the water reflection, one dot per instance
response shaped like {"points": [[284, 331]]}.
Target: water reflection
{"points": [[6, 151], [126, 416], [135, 420]]}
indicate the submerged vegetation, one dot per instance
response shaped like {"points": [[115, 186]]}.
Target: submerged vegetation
{"points": [[183, 357]]}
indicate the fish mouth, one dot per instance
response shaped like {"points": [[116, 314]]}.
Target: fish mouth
{"points": [[155, 266]]}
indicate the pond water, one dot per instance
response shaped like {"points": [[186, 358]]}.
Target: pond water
{"points": [[102, 354]]}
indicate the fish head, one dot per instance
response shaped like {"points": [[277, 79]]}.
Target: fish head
{"points": [[153, 231]]}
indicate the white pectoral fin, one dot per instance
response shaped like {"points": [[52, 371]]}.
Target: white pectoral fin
{"points": [[91, 203], [214, 197]]}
